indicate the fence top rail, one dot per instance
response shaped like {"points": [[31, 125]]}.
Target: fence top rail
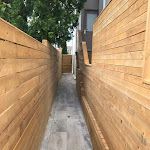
{"points": [[12, 34]]}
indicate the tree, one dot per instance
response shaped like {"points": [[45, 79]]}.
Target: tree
{"points": [[5, 8], [20, 12], [53, 20]]}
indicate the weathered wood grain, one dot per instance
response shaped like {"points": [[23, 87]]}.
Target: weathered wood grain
{"points": [[116, 86], [146, 70], [29, 75], [66, 63]]}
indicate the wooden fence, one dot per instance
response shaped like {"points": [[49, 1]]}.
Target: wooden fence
{"points": [[66, 63], [114, 91], [29, 74]]}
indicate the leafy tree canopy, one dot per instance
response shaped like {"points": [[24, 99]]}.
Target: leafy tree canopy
{"points": [[53, 20], [5, 10]]}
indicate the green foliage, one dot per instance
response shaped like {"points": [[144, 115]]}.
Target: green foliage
{"points": [[64, 48], [20, 12], [5, 11], [53, 20]]}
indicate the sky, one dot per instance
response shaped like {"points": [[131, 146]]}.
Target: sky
{"points": [[69, 43]]}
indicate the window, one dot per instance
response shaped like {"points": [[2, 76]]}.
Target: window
{"points": [[69, 52], [91, 17], [105, 3]]}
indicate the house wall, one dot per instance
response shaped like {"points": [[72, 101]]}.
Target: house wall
{"points": [[113, 85], [97, 5], [100, 5], [89, 5], [29, 75]]}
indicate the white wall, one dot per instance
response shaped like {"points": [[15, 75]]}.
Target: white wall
{"points": [[79, 27]]}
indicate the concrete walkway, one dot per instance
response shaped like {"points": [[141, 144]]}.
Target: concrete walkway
{"points": [[66, 129]]}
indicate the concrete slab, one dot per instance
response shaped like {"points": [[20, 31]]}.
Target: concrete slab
{"points": [[66, 128]]}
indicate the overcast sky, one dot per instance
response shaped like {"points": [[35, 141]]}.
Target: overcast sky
{"points": [[69, 43]]}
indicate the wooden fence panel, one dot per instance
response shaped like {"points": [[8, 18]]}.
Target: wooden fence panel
{"points": [[66, 63], [113, 84], [29, 75]]}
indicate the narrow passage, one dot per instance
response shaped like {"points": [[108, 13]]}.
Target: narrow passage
{"points": [[66, 129]]}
